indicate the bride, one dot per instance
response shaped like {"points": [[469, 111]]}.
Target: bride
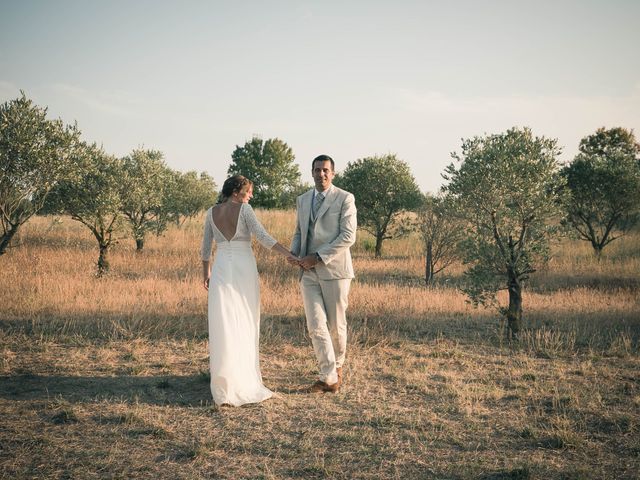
{"points": [[234, 294]]}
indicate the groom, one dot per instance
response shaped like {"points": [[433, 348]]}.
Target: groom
{"points": [[325, 229]]}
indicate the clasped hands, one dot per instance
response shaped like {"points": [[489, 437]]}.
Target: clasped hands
{"points": [[307, 262]]}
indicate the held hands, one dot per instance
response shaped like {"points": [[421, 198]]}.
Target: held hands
{"points": [[307, 263], [293, 259]]}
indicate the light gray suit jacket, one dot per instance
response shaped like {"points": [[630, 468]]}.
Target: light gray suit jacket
{"points": [[330, 235]]}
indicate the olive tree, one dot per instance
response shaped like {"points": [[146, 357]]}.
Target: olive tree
{"points": [[143, 184], [384, 188], [186, 195], [441, 230], [270, 166], [35, 153], [604, 185], [288, 198], [93, 199], [507, 189]]}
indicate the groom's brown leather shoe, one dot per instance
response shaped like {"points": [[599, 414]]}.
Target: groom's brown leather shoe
{"points": [[321, 387]]}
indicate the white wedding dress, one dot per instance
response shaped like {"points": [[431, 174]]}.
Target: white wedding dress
{"points": [[234, 311]]}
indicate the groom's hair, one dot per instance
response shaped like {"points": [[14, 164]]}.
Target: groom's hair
{"points": [[323, 158]]}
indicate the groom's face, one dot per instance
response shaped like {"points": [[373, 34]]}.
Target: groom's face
{"points": [[322, 175]]}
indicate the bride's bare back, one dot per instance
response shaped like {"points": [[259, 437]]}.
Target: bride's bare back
{"points": [[225, 216]]}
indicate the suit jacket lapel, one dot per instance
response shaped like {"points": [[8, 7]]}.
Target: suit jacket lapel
{"points": [[305, 213]]}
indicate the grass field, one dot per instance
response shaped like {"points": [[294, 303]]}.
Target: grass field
{"points": [[108, 378]]}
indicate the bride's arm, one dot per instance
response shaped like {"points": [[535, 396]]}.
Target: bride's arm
{"points": [[263, 236], [278, 248], [205, 248]]}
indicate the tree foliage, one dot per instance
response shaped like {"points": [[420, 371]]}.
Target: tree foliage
{"points": [[188, 194], [270, 166], [288, 199], [441, 230], [604, 185], [35, 153], [145, 180], [507, 189], [384, 188], [94, 198]]}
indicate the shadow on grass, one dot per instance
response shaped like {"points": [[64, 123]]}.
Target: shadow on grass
{"points": [[155, 390], [100, 326], [547, 283], [57, 242], [108, 326], [397, 279], [542, 282], [191, 391], [384, 326]]}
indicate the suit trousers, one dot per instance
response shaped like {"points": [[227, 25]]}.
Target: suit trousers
{"points": [[325, 306]]}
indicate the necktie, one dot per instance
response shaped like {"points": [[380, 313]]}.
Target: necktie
{"points": [[316, 204]]}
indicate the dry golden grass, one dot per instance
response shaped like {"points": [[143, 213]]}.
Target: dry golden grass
{"points": [[108, 378]]}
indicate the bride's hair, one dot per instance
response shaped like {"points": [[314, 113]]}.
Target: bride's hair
{"points": [[232, 185]]}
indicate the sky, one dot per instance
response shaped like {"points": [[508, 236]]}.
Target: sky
{"points": [[351, 79]]}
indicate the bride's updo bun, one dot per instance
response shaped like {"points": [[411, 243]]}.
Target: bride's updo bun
{"points": [[232, 185]]}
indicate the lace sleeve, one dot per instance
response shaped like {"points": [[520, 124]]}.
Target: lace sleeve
{"points": [[255, 227], [207, 237]]}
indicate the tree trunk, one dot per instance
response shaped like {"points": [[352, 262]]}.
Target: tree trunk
{"points": [[103, 260], [514, 312], [378, 246], [428, 264], [597, 248], [139, 244], [6, 239]]}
